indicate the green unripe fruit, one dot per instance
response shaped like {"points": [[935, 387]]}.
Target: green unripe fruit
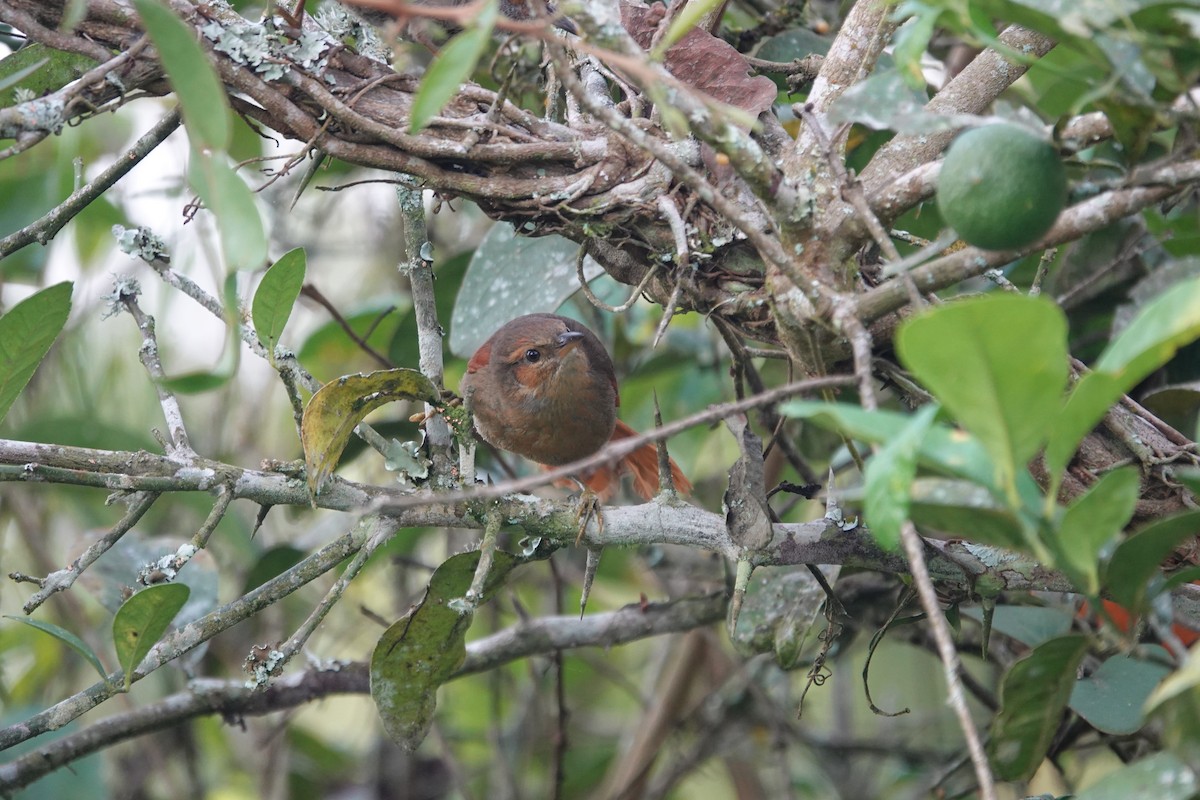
{"points": [[1001, 187]]}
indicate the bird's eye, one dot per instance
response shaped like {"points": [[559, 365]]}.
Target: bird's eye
{"points": [[532, 356]]}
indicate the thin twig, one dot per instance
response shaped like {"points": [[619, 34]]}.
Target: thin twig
{"points": [[670, 211], [1043, 266], [860, 346], [314, 293], [914, 551], [808, 67], [233, 699], [45, 228], [182, 641], [418, 267], [168, 567], [851, 188], [375, 531], [63, 579], [560, 694], [767, 245], [126, 292], [615, 451], [596, 301]]}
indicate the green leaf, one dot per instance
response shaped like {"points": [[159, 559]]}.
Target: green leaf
{"points": [[67, 638], [967, 510], [205, 107], [973, 357], [887, 100], [338, 406], [1029, 625], [451, 68], [687, 19], [1184, 679], [1139, 558], [889, 479], [1160, 328], [1162, 776], [944, 450], [39, 69], [1112, 697], [911, 42], [1189, 478], [1032, 698], [511, 275], [243, 240], [275, 297], [779, 613], [1093, 395], [793, 44], [423, 649], [197, 382], [142, 620], [271, 564], [1092, 523], [73, 14], [26, 333]]}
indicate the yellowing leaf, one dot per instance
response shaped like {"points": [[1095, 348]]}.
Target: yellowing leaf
{"points": [[338, 406]]}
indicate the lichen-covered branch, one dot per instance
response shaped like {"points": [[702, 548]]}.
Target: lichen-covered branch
{"points": [[538, 636]]}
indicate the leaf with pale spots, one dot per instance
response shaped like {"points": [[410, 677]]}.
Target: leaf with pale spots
{"points": [[426, 647], [338, 406], [511, 275]]}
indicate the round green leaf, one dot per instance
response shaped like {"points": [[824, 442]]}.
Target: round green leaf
{"points": [[1029, 625], [1138, 558], [1162, 776], [40, 70], [1159, 329], [1034, 693], [511, 275], [1112, 697], [142, 620]]}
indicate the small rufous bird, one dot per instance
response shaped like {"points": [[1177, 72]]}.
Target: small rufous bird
{"points": [[544, 387]]}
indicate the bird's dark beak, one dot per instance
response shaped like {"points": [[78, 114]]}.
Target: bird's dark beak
{"points": [[566, 342]]}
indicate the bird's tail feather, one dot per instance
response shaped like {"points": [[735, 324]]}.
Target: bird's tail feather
{"points": [[642, 464]]}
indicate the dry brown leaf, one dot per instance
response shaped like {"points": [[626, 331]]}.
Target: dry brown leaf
{"points": [[703, 61]]}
